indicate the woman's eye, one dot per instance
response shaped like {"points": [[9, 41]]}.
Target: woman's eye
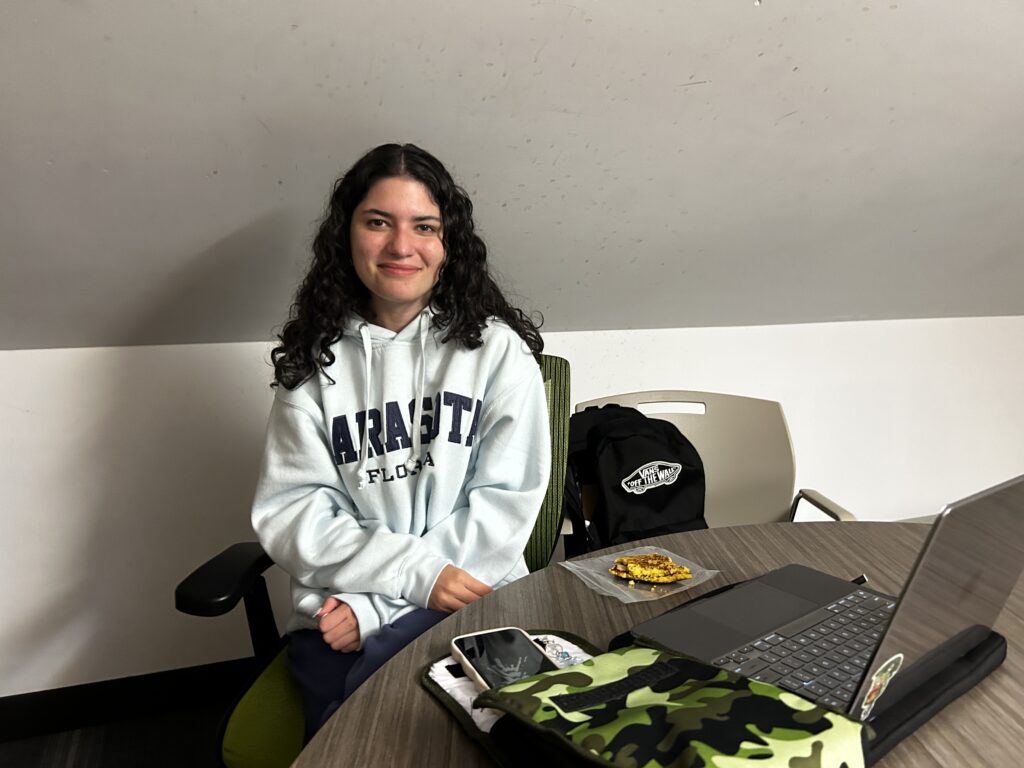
{"points": [[376, 223], [427, 228]]}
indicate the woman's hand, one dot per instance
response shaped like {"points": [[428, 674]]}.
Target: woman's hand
{"points": [[339, 625], [455, 589]]}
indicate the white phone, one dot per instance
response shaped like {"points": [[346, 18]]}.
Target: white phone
{"points": [[496, 657]]}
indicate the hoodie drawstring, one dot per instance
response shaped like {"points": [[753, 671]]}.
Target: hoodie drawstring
{"points": [[417, 440], [364, 332], [410, 463]]}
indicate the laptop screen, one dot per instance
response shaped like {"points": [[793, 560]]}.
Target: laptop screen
{"points": [[966, 570]]}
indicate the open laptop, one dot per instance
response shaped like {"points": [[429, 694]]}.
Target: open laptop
{"points": [[844, 645]]}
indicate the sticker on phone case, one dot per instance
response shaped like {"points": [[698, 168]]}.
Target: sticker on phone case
{"points": [[879, 682]]}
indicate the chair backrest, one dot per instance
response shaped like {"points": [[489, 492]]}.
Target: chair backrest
{"points": [[555, 372], [744, 443]]}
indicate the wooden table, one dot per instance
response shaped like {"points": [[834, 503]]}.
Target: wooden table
{"points": [[392, 721]]}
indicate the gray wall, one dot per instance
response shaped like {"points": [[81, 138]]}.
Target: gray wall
{"points": [[635, 165]]}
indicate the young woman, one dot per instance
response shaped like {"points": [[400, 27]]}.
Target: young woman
{"points": [[407, 451]]}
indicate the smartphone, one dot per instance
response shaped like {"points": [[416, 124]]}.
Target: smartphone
{"points": [[496, 657]]}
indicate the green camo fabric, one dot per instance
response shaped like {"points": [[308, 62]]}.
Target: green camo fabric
{"points": [[645, 708]]}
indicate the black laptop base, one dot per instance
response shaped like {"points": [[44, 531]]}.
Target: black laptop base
{"points": [[918, 706]]}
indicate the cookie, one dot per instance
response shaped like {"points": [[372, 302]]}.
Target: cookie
{"points": [[654, 568]]}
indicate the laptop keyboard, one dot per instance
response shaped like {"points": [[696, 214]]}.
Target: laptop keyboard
{"points": [[824, 662]]}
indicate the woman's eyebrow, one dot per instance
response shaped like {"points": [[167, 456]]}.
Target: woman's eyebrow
{"points": [[387, 215]]}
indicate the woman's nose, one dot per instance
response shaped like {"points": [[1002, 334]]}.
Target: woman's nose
{"points": [[402, 242]]}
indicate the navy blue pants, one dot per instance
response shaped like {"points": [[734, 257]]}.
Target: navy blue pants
{"points": [[328, 677]]}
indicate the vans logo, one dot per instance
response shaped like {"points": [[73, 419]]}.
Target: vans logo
{"points": [[651, 475]]}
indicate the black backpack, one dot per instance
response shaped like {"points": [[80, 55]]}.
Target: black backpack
{"points": [[649, 478]]}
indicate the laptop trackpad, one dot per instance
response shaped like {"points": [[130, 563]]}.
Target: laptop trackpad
{"points": [[754, 608], [708, 628]]}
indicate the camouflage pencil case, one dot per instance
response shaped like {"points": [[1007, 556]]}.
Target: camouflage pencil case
{"points": [[643, 707]]}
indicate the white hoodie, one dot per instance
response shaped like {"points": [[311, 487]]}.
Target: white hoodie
{"points": [[373, 522]]}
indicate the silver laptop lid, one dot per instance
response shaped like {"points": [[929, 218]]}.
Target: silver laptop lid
{"points": [[963, 576]]}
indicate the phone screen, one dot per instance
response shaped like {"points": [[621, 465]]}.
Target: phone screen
{"points": [[503, 656]]}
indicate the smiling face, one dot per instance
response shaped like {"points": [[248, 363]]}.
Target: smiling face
{"points": [[397, 249]]}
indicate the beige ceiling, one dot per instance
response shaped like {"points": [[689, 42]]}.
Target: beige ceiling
{"points": [[634, 164]]}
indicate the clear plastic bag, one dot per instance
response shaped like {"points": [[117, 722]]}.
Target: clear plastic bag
{"points": [[594, 572]]}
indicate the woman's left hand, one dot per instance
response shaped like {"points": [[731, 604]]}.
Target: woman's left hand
{"points": [[338, 625], [455, 589]]}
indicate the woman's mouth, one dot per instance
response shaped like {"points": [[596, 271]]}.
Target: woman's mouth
{"points": [[398, 270]]}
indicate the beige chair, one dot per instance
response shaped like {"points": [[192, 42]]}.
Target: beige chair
{"points": [[749, 469]]}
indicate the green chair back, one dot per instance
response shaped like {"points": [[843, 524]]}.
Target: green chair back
{"points": [[555, 372]]}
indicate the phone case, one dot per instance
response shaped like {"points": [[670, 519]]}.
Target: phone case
{"points": [[470, 668]]}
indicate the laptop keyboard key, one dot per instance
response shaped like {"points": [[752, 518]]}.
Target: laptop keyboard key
{"points": [[792, 684], [834, 681], [816, 690], [748, 668], [832, 703]]}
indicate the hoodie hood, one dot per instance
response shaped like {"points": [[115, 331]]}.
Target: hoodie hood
{"points": [[369, 336]]}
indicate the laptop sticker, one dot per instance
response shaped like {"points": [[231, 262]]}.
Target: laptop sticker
{"points": [[879, 682]]}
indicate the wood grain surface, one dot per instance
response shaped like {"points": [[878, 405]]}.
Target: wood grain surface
{"points": [[392, 721]]}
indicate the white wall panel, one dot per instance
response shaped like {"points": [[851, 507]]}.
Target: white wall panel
{"points": [[123, 468]]}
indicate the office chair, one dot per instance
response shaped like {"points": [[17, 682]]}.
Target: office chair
{"points": [[265, 727], [749, 469]]}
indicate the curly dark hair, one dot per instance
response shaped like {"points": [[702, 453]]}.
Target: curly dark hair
{"points": [[462, 301]]}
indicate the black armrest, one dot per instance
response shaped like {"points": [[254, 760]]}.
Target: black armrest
{"points": [[215, 587]]}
